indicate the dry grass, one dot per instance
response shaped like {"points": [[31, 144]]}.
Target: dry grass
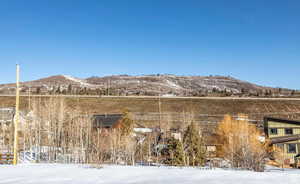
{"points": [[255, 108]]}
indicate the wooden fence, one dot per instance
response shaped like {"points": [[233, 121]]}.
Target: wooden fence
{"points": [[6, 158]]}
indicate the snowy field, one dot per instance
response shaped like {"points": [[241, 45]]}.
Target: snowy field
{"points": [[77, 174]]}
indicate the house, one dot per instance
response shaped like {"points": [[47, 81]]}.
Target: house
{"points": [[140, 129], [107, 121], [7, 115], [284, 134], [6, 120]]}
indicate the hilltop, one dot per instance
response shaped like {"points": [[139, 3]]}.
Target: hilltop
{"points": [[147, 85]]}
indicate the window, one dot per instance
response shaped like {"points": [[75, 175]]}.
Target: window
{"points": [[273, 131], [291, 148], [280, 146], [288, 131]]}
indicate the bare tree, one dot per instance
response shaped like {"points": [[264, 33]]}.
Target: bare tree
{"points": [[241, 144]]}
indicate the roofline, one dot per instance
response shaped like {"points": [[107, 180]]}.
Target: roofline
{"points": [[279, 120], [283, 139], [107, 114]]}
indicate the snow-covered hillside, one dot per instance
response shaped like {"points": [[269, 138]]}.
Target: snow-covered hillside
{"points": [[79, 81], [78, 174], [147, 85]]}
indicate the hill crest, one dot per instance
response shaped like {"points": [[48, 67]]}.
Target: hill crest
{"points": [[148, 85]]}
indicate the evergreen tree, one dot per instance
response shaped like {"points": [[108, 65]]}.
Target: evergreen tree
{"points": [[214, 90], [293, 93], [58, 91], [70, 89], [98, 91], [175, 152], [243, 91], [64, 92], [85, 91], [38, 90], [194, 147]]}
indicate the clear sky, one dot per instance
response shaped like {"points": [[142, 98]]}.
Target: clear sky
{"points": [[253, 40]]}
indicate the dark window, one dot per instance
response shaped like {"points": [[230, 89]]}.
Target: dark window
{"points": [[280, 146], [288, 131], [291, 148], [273, 131]]}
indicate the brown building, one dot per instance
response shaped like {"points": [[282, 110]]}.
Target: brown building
{"points": [[107, 121]]}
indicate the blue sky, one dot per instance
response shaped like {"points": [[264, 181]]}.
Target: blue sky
{"points": [[257, 40]]}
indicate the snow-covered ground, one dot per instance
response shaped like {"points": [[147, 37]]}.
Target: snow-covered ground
{"points": [[78, 174]]}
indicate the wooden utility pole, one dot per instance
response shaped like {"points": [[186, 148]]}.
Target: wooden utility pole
{"points": [[29, 102], [159, 106], [16, 119]]}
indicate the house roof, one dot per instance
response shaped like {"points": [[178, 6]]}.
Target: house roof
{"points": [[106, 120], [282, 139], [6, 114], [279, 120]]}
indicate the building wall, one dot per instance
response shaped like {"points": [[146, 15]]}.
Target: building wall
{"points": [[286, 155], [281, 132], [280, 128]]}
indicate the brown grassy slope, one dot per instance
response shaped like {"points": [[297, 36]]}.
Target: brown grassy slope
{"points": [[199, 106]]}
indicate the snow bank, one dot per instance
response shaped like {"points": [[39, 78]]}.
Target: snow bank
{"points": [[78, 174]]}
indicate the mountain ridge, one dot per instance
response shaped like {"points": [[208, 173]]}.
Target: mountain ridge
{"points": [[148, 85]]}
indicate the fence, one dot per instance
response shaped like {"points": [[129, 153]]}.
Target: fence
{"points": [[6, 158]]}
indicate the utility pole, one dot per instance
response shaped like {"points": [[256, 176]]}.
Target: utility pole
{"points": [[159, 105], [16, 119], [159, 110], [29, 102]]}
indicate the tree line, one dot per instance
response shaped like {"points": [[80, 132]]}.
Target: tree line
{"points": [[55, 133]]}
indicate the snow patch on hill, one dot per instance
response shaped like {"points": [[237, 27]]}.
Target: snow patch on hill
{"points": [[77, 80], [173, 85]]}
